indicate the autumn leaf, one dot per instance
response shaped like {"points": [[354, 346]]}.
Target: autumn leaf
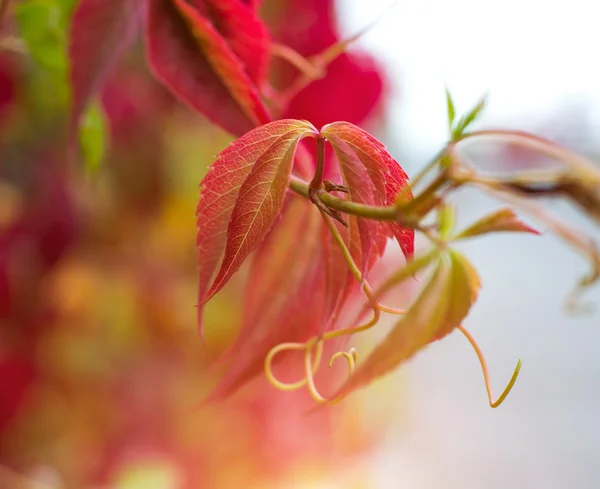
{"points": [[441, 306], [220, 189], [578, 239], [190, 57], [362, 189], [286, 274], [101, 30], [503, 220], [259, 202], [358, 73], [463, 290], [384, 173], [284, 248], [245, 33]]}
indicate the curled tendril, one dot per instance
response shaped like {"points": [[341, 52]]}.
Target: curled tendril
{"points": [[292, 386], [350, 356], [390, 310], [311, 364], [486, 376]]}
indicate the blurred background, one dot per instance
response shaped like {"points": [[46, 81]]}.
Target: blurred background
{"points": [[535, 61], [101, 369]]}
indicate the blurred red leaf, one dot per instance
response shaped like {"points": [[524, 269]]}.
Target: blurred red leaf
{"points": [[245, 33], [275, 306], [259, 200], [252, 3], [17, 375], [101, 30], [187, 53], [307, 26], [333, 97], [218, 194], [339, 279]]}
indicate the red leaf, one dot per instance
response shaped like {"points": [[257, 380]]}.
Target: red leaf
{"points": [[338, 278], [384, 172], [252, 3], [101, 30], [245, 33], [259, 202], [276, 303], [348, 75], [191, 58], [361, 188], [219, 192], [284, 248]]}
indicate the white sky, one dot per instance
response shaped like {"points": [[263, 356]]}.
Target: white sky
{"points": [[530, 55]]}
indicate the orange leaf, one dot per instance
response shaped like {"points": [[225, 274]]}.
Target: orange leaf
{"points": [[219, 191], [259, 200], [286, 275], [503, 220]]}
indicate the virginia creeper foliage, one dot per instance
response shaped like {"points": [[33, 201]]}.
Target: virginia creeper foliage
{"points": [[213, 54], [308, 197]]}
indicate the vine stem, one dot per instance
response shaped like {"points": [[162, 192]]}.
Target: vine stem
{"points": [[294, 58], [538, 145], [378, 213], [317, 181], [486, 375]]}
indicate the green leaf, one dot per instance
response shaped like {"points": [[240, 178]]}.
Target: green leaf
{"points": [[41, 27], [466, 120], [446, 220], [93, 137], [451, 110], [443, 303], [409, 270]]}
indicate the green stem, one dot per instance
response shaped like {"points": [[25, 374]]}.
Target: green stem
{"points": [[377, 213], [538, 145]]}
